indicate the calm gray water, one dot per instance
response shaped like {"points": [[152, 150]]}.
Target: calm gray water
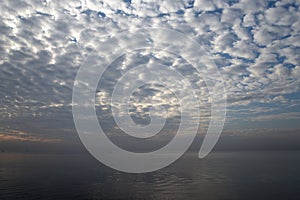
{"points": [[222, 175]]}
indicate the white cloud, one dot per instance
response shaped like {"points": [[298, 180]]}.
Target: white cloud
{"points": [[256, 47], [202, 5]]}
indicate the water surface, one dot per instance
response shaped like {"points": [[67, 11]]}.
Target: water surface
{"points": [[222, 175]]}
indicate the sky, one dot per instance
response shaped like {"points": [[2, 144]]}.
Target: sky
{"points": [[255, 45]]}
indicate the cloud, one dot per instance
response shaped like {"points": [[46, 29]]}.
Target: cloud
{"points": [[280, 116], [14, 135], [255, 44]]}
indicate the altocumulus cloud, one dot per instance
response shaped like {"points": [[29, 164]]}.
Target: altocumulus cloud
{"points": [[255, 44]]}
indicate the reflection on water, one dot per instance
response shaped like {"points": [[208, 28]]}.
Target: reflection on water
{"points": [[222, 175]]}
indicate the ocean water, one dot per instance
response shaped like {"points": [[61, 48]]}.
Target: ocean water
{"points": [[222, 175]]}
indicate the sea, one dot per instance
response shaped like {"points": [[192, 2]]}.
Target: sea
{"points": [[226, 175]]}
